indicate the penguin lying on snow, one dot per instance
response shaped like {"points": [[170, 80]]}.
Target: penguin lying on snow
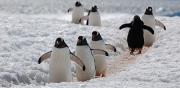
{"points": [[93, 17], [135, 37], [60, 64], [150, 21], [100, 60], [86, 54], [78, 12]]}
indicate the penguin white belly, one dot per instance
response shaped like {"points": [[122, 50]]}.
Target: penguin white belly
{"points": [[60, 66], [84, 53], [94, 19], [149, 38], [77, 13], [98, 45], [100, 63]]}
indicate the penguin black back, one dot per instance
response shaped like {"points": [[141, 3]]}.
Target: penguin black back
{"points": [[149, 11], [59, 43], [96, 36], [135, 37]]}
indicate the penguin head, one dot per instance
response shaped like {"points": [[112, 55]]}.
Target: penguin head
{"points": [[94, 8], [149, 11], [96, 36], [59, 43], [78, 4], [136, 18], [81, 41]]}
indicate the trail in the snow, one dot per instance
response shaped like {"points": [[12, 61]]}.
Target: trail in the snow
{"points": [[122, 62]]}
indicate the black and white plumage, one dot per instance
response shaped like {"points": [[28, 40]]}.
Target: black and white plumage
{"points": [[97, 42], [60, 64], [86, 54], [93, 18], [135, 37], [149, 20], [77, 12]]}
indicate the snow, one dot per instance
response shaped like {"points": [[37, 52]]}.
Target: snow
{"points": [[28, 31]]}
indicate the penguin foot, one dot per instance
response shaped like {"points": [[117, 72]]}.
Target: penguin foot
{"points": [[98, 75], [131, 51]]}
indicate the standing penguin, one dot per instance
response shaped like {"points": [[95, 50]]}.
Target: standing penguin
{"points": [[100, 60], [150, 21], [97, 42], [60, 64], [135, 37], [93, 17], [78, 12], [86, 54]]}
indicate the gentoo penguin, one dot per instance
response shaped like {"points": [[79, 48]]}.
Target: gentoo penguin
{"points": [[100, 60], [77, 12], [135, 37], [93, 17], [97, 42], [86, 54], [60, 64], [150, 21]]}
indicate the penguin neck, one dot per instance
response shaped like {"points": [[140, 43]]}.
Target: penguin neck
{"points": [[148, 13]]}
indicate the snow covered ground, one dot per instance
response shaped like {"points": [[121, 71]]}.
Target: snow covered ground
{"points": [[24, 37]]}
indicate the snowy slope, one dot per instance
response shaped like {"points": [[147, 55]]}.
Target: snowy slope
{"points": [[24, 38], [28, 28]]}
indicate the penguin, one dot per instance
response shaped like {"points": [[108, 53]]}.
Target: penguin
{"points": [[135, 37], [60, 64], [149, 20], [86, 54], [93, 18], [97, 42], [77, 12]]}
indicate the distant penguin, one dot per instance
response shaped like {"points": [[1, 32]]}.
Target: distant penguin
{"points": [[60, 64], [93, 18], [100, 60], [135, 37], [150, 21], [78, 12], [86, 54]]}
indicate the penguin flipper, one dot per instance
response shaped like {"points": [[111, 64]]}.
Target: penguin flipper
{"points": [[99, 51], [44, 57], [111, 47], [77, 60], [125, 25], [70, 9], [87, 23], [148, 28], [157, 22]]}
